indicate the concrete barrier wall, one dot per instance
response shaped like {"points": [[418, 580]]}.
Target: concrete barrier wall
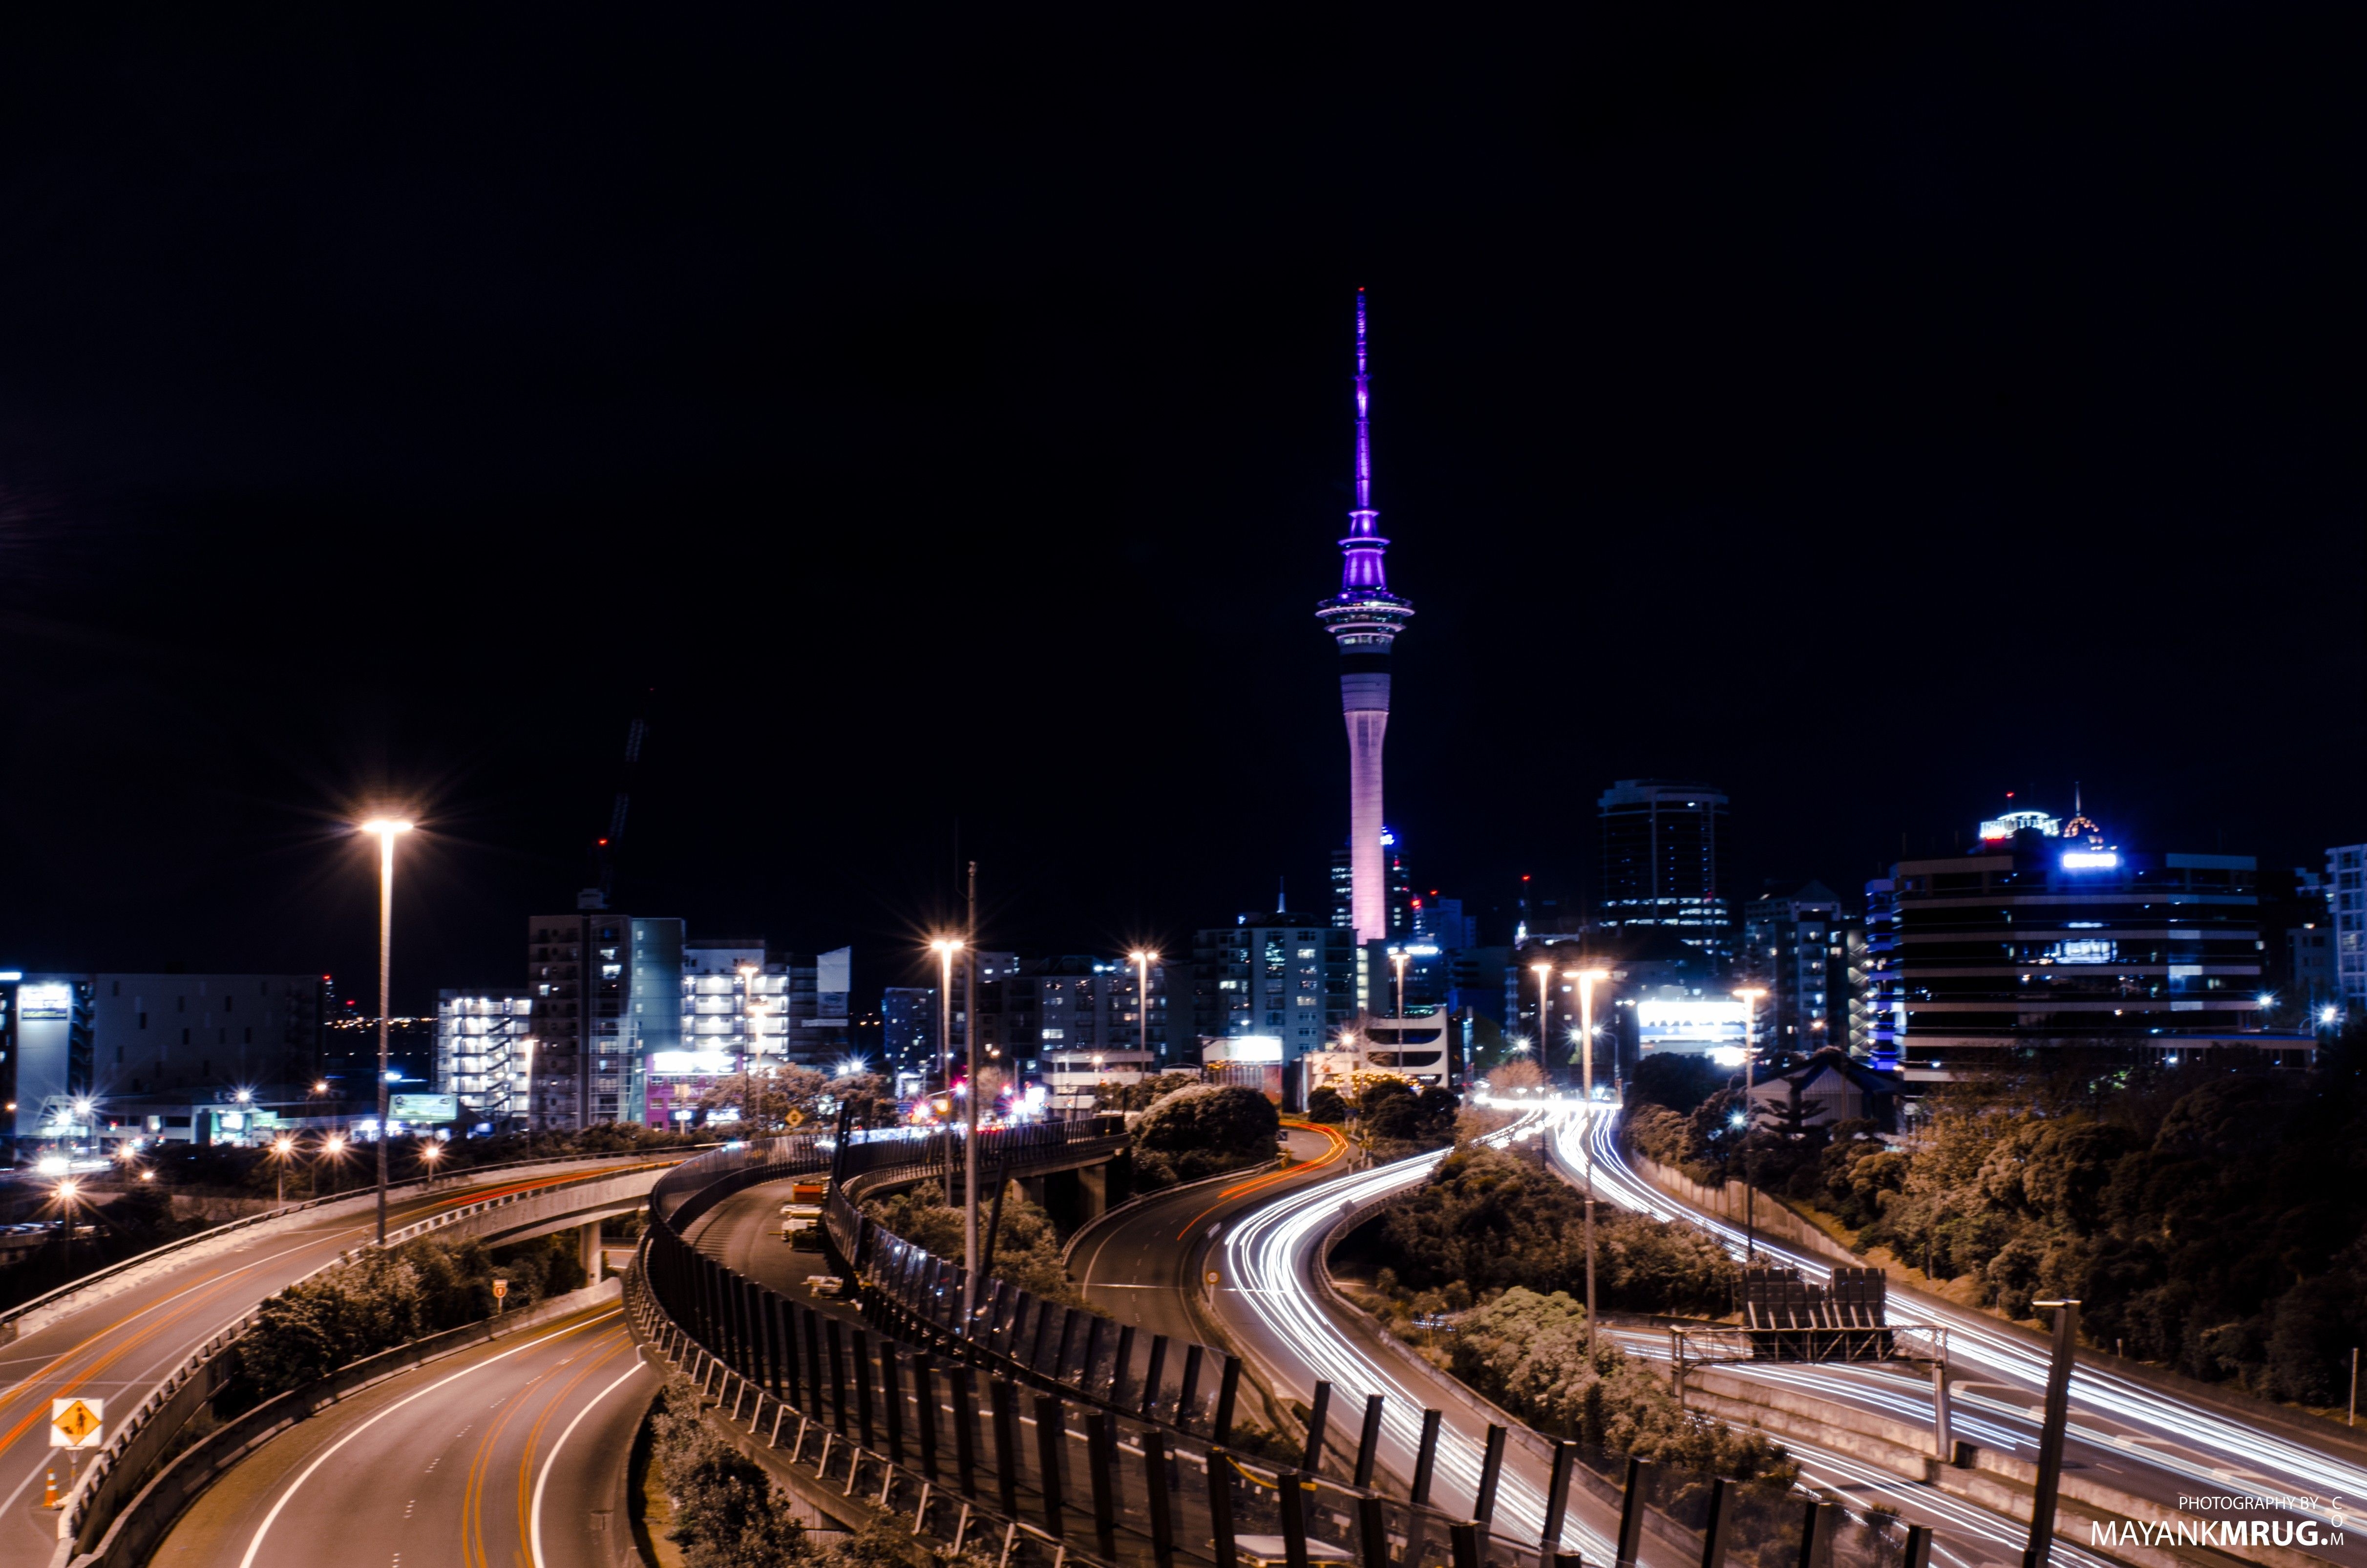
{"points": [[1996, 1483], [1769, 1216]]}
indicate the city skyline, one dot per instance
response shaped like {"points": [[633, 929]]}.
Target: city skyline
{"points": [[1867, 529]]}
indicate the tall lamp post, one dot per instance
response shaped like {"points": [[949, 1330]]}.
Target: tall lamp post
{"points": [[1750, 995], [1399, 961], [386, 829], [749, 1009], [1587, 980], [1143, 958], [1544, 971]]}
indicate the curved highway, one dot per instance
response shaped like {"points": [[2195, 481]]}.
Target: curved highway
{"points": [[2154, 1445], [119, 1347], [509, 1453], [1278, 1319]]}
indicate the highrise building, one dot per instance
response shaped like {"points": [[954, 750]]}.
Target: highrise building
{"points": [[1663, 862], [1364, 617], [485, 1054], [1273, 974], [1798, 944], [606, 990], [2062, 939], [908, 1035], [2346, 901]]}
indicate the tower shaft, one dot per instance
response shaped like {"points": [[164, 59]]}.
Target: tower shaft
{"points": [[1364, 618]]}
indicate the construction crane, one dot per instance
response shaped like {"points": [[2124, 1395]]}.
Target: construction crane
{"points": [[604, 848]]}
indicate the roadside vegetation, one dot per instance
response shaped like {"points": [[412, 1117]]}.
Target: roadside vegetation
{"points": [[1202, 1130], [2211, 1220], [727, 1513], [1027, 1246], [1486, 1276], [382, 1299], [1389, 1117]]}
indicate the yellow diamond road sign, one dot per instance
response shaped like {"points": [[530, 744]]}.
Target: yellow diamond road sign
{"points": [[77, 1423]]}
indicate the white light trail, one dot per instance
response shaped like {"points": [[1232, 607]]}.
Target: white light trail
{"points": [[1980, 1341]]}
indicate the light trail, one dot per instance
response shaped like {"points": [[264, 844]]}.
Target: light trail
{"points": [[1269, 1252], [2246, 1453]]}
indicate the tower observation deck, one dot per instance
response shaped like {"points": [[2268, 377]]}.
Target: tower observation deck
{"points": [[1364, 617]]}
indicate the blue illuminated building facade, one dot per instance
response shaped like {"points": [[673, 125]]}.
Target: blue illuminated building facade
{"points": [[2048, 934]]}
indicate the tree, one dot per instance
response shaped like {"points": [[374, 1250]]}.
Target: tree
{"points": [[1523, 1073], [1201, 1130], [1326, 1106]]}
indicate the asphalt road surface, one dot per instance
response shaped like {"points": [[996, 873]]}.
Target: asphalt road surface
{"points": [[507, 1453], [118, 1348]]}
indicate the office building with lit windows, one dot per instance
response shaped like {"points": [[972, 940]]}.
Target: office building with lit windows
{"points": [[1274, 974], [1800, 945], [1663, 862], [606, 990], [484, 1056], [2346, 902], [2048, 934]]}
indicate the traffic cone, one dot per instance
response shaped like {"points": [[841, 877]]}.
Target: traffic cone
{"points": [[50, 1489]]}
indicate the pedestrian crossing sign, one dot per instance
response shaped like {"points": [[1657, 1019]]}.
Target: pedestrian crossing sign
{"points": [[77, 1423]]}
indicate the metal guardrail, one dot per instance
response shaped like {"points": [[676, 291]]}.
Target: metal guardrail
{"points": [[952, 1520]]}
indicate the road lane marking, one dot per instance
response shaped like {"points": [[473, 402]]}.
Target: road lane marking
{"points": [[550, 1408], [534, 1534], [270, 1518]]}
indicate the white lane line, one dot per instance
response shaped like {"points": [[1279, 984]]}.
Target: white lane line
{"points": [[268, 1519], [534, 1533]]}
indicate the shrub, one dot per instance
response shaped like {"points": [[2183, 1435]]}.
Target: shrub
{"points": [[1201, 1130], [1326, 1106], [1528, 1352], [727, 1513]]}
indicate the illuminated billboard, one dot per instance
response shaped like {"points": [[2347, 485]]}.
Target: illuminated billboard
{"points": [[424, 1107], [46, 999], [690, 1063]]}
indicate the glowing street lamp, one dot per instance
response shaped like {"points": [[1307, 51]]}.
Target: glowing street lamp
{"points": [[386, 830], [432, 1155], [1587, 980], [1398, 959], [283, 1149], [67, 1192], [333, 1153], [1750, 995]]}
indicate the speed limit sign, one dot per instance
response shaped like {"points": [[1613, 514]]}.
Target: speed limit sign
{"points": [[1213, 1278]]}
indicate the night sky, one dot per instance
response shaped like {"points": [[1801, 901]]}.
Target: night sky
{"points": [[939, 430]]}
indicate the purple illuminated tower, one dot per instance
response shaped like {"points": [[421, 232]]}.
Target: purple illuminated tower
{"points": [[1364, 617]]}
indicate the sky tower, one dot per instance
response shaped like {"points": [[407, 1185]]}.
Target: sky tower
{"points": [[1364, 618]]}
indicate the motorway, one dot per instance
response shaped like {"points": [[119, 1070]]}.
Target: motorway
{"points": [[507, 1453], [119, 1347], [2153, 1444]]}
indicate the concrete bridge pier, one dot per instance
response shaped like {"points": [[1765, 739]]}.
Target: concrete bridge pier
{"points": [[588, 1237]]}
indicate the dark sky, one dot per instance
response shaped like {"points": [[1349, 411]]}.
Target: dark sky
{"points": [[948, 421]]}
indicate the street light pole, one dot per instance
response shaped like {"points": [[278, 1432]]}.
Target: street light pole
{"points": [[1544, 971], [971, 1253], [1750, 995], [1398, 959], [1142, 959], [1586, 979], [945, 947], [386, 829]]}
